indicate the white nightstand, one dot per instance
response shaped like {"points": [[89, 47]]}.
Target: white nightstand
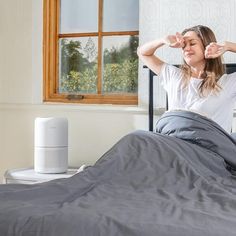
{"points": [[29, 176]]}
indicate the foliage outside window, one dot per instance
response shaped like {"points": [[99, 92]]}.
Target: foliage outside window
{"points": [[90, 51]]}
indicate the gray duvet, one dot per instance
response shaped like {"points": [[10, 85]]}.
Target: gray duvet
{"points": [[175, 182]]}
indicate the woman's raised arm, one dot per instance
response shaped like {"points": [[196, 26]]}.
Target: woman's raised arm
{"points": [[214, 50], [146, 52]]}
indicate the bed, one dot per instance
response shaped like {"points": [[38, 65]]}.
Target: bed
{"points": [[177, 181]]}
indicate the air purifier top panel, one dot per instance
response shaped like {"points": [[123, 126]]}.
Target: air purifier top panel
{"points": [[51, 132]]}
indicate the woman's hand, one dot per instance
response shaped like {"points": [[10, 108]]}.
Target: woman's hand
{"points": [[174, 41], [214, 50]]}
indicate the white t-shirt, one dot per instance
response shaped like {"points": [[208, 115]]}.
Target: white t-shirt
{"points": [[217, 106]]}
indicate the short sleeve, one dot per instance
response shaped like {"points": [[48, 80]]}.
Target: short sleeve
{"points": [[231, 84], [169, 74]]}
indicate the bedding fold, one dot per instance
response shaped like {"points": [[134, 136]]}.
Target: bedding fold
{"points": [[200, 130], [173, 182]]}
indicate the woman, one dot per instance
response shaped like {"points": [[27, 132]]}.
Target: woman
{"points": [[200, 84]]}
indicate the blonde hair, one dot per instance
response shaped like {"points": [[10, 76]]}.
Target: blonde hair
{"points": [[214, 67]]}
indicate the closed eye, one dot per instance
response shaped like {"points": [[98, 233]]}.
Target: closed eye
{"points": [[190, 44]]}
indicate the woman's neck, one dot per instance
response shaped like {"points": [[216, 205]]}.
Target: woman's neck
{"points": [[197, 71]]}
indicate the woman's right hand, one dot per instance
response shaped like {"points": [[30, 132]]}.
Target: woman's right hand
{"points": [[174, 41]]}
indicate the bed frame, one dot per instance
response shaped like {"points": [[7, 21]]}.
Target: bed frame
{"points": [[230, 68]]}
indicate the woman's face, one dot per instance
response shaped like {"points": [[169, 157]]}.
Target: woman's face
{"points": [[193, 50]]}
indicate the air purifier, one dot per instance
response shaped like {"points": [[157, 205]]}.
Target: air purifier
{"points": [[51, 145]]}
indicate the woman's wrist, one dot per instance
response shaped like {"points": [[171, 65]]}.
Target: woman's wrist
{"points": [[229, 46], [165, 41]]}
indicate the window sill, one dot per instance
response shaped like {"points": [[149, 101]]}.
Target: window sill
{"points": [[78, 107]]}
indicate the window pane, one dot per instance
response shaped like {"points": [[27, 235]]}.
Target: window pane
{"points": [[78, 65], [79, 16], [121, 15], [120, 64]]}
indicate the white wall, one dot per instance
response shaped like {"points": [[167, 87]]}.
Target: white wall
{"points": [[92, 129], [15, 48], [161, 17], [91, 132]]}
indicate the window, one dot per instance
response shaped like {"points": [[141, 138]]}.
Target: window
{"points": [[90, 51]]}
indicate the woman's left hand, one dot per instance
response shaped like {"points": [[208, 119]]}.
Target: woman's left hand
{"points": [[214, 50]]}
